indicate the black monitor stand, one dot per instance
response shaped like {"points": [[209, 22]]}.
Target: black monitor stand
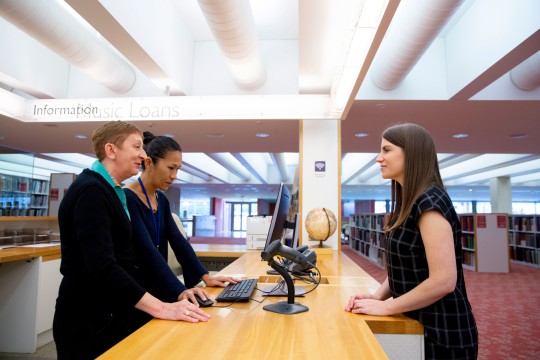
{"points": [[285, 307]]}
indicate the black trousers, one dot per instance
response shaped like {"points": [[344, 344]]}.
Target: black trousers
{"points": [[76, 338], [437, 352]]}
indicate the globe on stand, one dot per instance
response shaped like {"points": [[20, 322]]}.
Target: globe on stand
{"points": [[320, 224]]}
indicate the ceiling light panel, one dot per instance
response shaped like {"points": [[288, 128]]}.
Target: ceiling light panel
{"points": [[479, 162], [351, 162], [206, 164], [504, 171]]}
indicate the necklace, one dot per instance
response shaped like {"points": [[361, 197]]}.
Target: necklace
{"points": [[155, 214]]}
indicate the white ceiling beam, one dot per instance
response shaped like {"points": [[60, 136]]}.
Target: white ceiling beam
{"points": [[484, 163], [278, 159], [480, 48], [97, 15], [455, 159], [55, 27], [367, 36], [204, 163], [481, 176], [246, 164], [234, 31], [351, 162], [187, 168], [530, 179], [416, 25], [373, 172], [230, 163]]}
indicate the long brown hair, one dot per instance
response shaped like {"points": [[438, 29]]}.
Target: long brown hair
{"points": [[421, 169]]}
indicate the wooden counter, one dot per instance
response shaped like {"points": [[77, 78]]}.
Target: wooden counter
{"points": [[50, 252], [247, 331], [220, 250]]}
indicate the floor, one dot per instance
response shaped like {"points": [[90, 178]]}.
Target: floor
{"points": [[46, 352]]}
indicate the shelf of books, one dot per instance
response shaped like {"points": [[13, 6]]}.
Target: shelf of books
{"points": [[524, 233], [367, 235], [468, 243], [23, 196], [484, 240]]}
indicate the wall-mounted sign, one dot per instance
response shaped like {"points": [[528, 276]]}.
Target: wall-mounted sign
{"points": [[501, 221], [249, 107], [481, 221], [320, 166], [54, 195]]}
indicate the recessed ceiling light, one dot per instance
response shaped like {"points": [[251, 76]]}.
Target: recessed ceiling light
{"points": [[518, 136], [215, 135], [361, 135], [79, 136], [262, 135], [460, 136]]}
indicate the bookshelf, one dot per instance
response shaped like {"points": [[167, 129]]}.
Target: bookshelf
{"points": [[524, 234], [23, 196], [366, 236], [484, 240]]}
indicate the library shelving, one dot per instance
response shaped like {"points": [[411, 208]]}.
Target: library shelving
{"points": [[23, 196], [524, 233], [366, 236], [484, 240]]}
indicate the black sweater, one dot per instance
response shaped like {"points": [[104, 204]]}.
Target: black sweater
{"points": [[98, 260]]}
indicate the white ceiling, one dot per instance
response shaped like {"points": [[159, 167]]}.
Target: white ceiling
{"points": [[450, 76]]}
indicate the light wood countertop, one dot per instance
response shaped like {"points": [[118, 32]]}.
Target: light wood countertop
{"points": [[50, 252], [247, 331]]}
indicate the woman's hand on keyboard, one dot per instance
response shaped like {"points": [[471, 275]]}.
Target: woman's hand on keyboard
{"points": [[219, 281]]}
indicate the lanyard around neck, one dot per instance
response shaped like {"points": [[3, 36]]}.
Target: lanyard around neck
{"points": [[155, 216]]}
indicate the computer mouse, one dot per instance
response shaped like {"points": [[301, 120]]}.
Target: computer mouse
{"points": [[203, 303]]}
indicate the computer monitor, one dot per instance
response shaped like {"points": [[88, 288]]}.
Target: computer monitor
{"points": [[291, 235], [281, 220]]}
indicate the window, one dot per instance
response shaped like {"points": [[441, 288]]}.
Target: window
{"points": [[191, 207], [483, 207], [382, 206], [525, 208], [239, 213]]}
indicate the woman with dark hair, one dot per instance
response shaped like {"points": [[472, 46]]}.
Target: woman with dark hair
{"points": [[101, 299], [154, 227], [423, 249]]}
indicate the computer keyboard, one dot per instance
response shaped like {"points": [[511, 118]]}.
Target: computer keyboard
{"points": [[238, 292]]}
